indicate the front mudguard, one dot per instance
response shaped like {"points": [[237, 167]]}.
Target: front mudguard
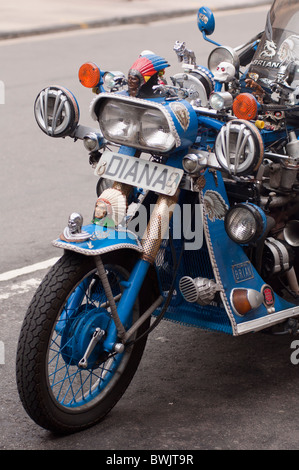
{"points": [[101, 240], [117, 246]]}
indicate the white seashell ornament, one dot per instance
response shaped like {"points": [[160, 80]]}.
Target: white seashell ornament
{"points": [[115, 204]]}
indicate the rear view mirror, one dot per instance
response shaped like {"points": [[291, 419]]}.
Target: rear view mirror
{"points": [[205, 20], [206, 23]]}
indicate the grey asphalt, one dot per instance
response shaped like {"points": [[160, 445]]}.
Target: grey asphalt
{"points": [[31, 17]]}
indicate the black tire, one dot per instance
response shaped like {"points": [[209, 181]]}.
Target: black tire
{"points": [[41, 345]]}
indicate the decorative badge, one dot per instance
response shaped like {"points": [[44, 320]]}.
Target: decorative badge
{"points": [[269, 49], [181, 113], [214, 205]]}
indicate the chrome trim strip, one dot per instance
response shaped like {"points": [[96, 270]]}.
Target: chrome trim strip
{"points": [[268, 320], [92, 252]]}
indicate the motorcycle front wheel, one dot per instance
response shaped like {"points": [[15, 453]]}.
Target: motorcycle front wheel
{"points": [[57, 393]]}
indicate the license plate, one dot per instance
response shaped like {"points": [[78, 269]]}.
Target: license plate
{"points": [[139, 173]]}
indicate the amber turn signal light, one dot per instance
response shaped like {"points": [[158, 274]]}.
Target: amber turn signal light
{"points": [[89, 75], [245, 106]]}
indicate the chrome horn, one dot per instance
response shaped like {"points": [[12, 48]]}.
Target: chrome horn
{"points": [[291, 233], [200, 290]]}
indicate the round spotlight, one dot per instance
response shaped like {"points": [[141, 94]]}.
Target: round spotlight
{"points": [[91, 142], [222, 54], [193, 163], [245, 223], [56, 111], [239, 147], [220, 100]]}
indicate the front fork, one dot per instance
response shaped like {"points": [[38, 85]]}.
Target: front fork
{"points": [[157, 229]]}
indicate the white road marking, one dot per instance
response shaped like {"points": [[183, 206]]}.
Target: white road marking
{"points": [[27, 269]]}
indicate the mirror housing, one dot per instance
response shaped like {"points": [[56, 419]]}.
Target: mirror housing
{"points": [[206, 23]]}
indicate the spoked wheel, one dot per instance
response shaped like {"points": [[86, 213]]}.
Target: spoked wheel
{"points": [[62, 388]]}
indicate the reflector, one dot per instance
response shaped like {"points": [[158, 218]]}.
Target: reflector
{"points": [[245, 106], [89, 75]]}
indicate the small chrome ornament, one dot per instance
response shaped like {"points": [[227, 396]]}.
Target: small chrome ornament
{"points": [[184, 55], [73, 232]]}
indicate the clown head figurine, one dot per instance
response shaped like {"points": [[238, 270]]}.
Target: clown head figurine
{"points": [[145, 70]]}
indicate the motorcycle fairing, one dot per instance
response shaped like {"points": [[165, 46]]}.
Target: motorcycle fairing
{"points": [[279, 44], [102, 240], [226, 255]]}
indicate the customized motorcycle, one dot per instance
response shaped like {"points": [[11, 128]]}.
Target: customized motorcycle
{"points": [[196, 219]]}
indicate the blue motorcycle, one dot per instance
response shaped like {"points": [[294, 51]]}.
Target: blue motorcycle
{"points": [[196, 219]]}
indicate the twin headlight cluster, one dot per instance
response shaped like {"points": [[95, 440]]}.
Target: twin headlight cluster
{"points": [[134, 125], [152, 126]]}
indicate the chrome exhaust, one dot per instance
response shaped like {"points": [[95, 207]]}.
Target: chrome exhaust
{"points": [[291, 233]]}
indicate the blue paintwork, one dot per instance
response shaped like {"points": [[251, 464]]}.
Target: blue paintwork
{"points": [[234, 267], [102, 240], [210, 122], [228, 254], [206, 23], [187, 131], [127, 301]]}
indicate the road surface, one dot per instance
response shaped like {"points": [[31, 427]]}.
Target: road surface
{"points": [[194, 390]]}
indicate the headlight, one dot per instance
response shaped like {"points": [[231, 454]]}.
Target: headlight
{"points": [[91, 142], [118, 123], [112, 79], [56, 111], [221, 100], [193, 163], [245, 223], [147, 125], [239, 147], [155, 130], [134, 124], [222, 54]]}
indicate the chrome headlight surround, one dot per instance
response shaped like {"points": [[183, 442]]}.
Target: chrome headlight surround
{"points": [[91, 142], [193, 163], [245, 223], [221, 100], [223, 54], [239, 147], [56, 111], [135, 122]]}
